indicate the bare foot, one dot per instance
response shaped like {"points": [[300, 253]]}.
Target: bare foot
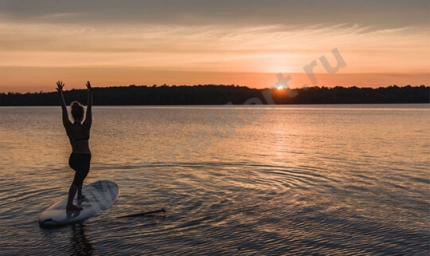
{"points": [[73, 208]]}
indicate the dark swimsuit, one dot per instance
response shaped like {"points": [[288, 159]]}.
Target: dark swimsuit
{"points": [[81, 139], [80, 162]]}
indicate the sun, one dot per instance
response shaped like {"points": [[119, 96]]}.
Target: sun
{"points": [[279, 87]]}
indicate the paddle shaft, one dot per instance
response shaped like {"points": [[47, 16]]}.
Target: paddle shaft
{"points": [[142, 213]]}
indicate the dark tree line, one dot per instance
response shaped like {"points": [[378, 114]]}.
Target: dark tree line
{"points": [[223, 94]]}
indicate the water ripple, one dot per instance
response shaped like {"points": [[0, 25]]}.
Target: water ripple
{"points": [[306, 185]]}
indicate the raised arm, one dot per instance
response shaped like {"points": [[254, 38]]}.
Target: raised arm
{"points": [[89, 116], [66, 120]]}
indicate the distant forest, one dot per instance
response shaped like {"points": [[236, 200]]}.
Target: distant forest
{"points": [[223, 94]]}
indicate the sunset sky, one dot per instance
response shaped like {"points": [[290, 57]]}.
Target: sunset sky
{"points": [[244, 42]]}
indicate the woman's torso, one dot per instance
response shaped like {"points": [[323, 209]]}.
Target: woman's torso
{"points": [[79, 136]]}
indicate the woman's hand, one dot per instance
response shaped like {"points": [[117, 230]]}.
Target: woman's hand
{"points": [[88, 85], [60, 86]]}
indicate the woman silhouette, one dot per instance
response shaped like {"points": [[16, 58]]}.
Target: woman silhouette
{"points": [[79, 134]]}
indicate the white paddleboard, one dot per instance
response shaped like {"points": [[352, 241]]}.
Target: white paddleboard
{"points": [[98, 196]]}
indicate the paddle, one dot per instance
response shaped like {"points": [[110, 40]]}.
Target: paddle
{"points": [[142, 213]]}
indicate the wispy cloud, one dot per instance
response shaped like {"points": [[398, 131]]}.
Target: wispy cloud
{"points": [[55, 17], [211, 47]]}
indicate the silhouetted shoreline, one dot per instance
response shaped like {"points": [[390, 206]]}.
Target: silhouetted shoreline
{"points": [[224, 94]]}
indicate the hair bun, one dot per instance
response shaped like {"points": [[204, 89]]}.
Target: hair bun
{"points": [[75, 104]]}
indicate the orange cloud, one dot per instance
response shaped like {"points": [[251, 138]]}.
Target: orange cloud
{"points": [[34, 55]]}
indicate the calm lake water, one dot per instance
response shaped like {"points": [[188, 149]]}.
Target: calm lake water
{"points": [[284, 180]]}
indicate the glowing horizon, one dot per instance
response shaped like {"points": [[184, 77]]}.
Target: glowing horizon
{"points": [[36, 52]]}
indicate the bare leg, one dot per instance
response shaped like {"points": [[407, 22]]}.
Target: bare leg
{"points": [[80, 196], [72, 193]]}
